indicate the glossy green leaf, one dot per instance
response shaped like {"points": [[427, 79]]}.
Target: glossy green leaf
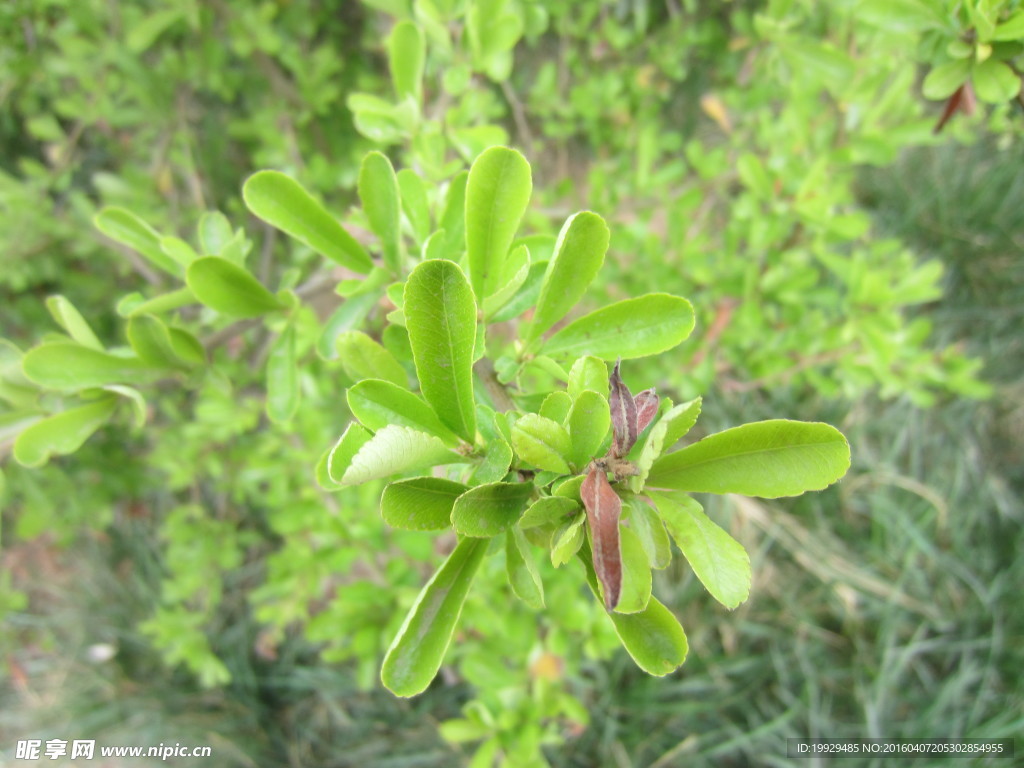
{"points": [[665, 433], [414, 203], [128, 229], [720, 562], [556, 406], [579, 254], [364, 358], [588, 373], [340, 457], [62, 433], [407, 52], [416, 654], [650, 530], [589, 421], [151, 340], [229, 288], [542, 443], [395, 449], [378, 192], [647, 325], [441, 319], [514, 273], [488, 510], [523, 575], [767, 458], [549, 509], [282, 202], [495, 465], [497, 192], [421, 503], [71, 367], [946, 78], [653, 638], [453, 218], [636, 573], [283, 378], [567, 540], [379, 403], [995, 82], [71, 320]]}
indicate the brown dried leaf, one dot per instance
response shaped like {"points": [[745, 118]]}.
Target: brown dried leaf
{"points": [[623, 408], [603, 510], [646, 408]]}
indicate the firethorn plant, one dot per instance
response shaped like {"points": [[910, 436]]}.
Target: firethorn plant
{"points": [[513, 433]]}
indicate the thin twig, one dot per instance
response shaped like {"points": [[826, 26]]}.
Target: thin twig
{"points": [[489, 377]]}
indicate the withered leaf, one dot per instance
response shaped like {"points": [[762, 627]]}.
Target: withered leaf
{"points": [[646, 408], [603, 510], [623, 408]]}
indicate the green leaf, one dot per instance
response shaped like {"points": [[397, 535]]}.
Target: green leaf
{"points": [[497, 192], [416, 654], [280, 201], [522, 570], [995, 82], [421, 503], [636, 573], [135, 398], [378, 191], [946, 78], [178, 250], [1011, 29], [71, 367], [414, 203], [567, 540], [588, 373], [556, 406], [632, 328], [514, 274], [215, 232], [767, 458], [488, 510], [364, 358], [71, 320], [135, 304], [283, 378], [186, 347], [62, 433], [407, 52], [441, 318], [380, 403], [339, 459], [151, 340], [579, 254], [128, 229], [542, 443], [720, 562], [395, 449], [495, 464], [229, 288], [650, 530], [345, 317], [665, 433], [549, 509], [453, 217], [589, 421], [653, 637]]}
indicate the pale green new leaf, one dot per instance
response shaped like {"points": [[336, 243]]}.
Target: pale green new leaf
{"points": [[339, 459], [550, 509], [229, 288], [62, 433], [71, 320], [420, 503], [647, 325], [665, 433], [556, 406], [495, 465], [282, 202], [720, 562], [567, 539], [379, 403], [497, 192], [995, 82], [71, 367], [767, 458], [418, 649], [128, 229], [440, 313], [588, 373], [514, 274], [378, 192], [522, 570], [650, 530], [395, 449], [364, 358], [542, 443], [282, 378], [151, 340], [944, 79], [579, 254], [488, 510], [407, 52], [414, 203], [589, 421]]}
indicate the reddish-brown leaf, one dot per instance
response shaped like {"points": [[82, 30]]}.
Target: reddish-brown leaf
{"points": [[623, 408], [603, 510], [646, 408]]}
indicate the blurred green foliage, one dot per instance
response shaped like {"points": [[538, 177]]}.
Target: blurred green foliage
{"points": [[771, 160]]}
